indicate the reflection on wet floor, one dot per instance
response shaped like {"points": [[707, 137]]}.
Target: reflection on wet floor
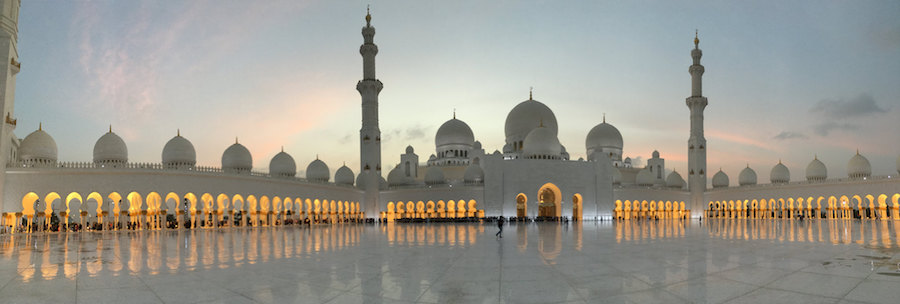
{"points": [[417, 261], [153, 252], [873, 233]]}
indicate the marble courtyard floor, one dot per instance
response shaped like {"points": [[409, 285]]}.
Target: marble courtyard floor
{"points": [[714, 261]]}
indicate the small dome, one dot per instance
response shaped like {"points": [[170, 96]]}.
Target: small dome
{"points": [[816, 171], [317, 171], [645, 178], [780, 174], [397, 178], [602, 136], [454, 132], [179, 152], [655, 154], [361, 180], [616, 176], [474, 174], [859, 167], [434, 176], [674, 180], [720, 179], [476, 145], [110, 149], [526, 116], [542, 142], [344, 176], [747, 177], [628, 160], [237, 159], [38, 147], [409, 150], [282, 165]]}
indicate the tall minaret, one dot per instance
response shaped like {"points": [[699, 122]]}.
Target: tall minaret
{"points": [[369, 134], [696, 143], [9, 67]]}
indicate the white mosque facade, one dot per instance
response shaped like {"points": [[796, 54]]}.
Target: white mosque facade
{"points": [[530, 176]]}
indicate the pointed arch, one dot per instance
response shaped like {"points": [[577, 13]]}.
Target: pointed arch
{"points": [[222, 203], [154, 202], [252, 204], [237, 203], [73, 204], [53, 202], [28, 203]]}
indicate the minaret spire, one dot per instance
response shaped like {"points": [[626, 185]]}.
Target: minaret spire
{"points": [[696, 142], [369, 133], [696, 39]]}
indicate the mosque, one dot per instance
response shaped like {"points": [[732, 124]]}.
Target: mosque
{"points": [[531, 176]]}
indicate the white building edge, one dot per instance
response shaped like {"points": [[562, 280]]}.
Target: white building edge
{"points": [[532, 175]]}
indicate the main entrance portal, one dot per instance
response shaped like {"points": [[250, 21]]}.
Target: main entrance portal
{"points": [[549, 200]]}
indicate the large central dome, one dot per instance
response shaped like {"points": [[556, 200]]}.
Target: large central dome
{"points": [[526, 116]]}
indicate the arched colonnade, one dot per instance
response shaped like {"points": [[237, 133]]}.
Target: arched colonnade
{"points": [[869, 206], [155, 210], [460, 208], [653, 209]]}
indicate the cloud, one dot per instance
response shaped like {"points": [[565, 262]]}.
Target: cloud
{"points": [[407, 134], [784, 135], [826, 127], [416, 132], [862, 105], [346, 139], [637, 162], [833, 113]]}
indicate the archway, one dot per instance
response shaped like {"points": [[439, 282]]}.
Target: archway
{"points": [[29, 208], [237, 210], [576, 206], [549, 200], [521, 205], [74, 209]]}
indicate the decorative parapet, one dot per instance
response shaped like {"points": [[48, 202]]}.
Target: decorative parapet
{"points": [[144, 166], [798, 183]]}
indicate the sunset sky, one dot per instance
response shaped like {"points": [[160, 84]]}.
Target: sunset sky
{"points": [[785, 79]]}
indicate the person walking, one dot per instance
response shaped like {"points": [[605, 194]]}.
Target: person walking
{"points": [[499, 234]]}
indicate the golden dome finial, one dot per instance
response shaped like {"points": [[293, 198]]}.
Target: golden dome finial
{"points": [[696, 38], [40, 126], [110, 128], [604, 117], [454, 113], [368, 15], [235, 140], [178, 132], [530, 90]]}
